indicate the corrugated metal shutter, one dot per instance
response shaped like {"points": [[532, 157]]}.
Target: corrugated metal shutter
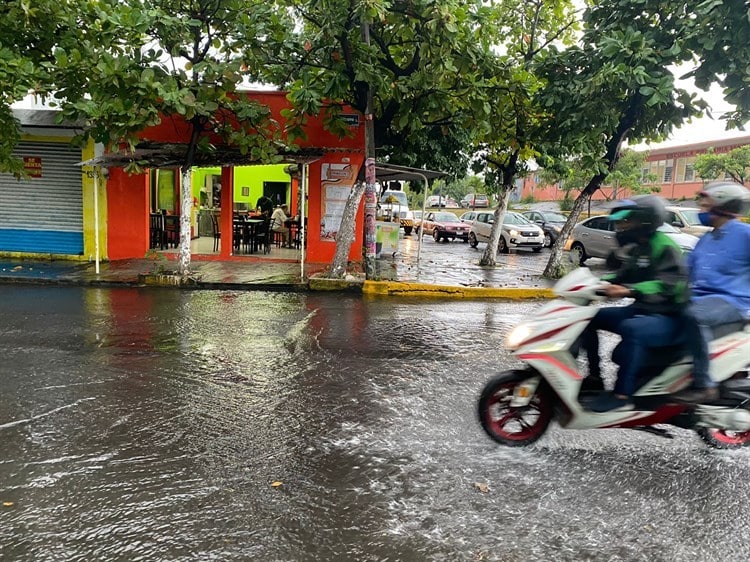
{"points": [[44, 214]]}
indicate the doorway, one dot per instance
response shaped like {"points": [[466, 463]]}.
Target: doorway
{"points": [[276, 191]]}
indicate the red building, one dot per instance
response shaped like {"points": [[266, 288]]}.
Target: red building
{"points": [[672, 167], [332, 165]]}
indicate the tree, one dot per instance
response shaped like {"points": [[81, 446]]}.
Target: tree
{"points": [[131, 64], [28, 36], [426, 65], [616, 85], [735, 164], [516, 133]]}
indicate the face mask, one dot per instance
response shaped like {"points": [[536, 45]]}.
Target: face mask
{"points": [[705, 218]]}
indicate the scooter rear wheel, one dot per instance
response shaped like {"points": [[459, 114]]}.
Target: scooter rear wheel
{"points": [[509, 425], [722, 439]]}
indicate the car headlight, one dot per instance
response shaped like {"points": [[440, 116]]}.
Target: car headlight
{"points": [[513, 232], [556, 228], [517, 336]]}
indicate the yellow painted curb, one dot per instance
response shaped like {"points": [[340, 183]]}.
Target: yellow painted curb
{"points": [[393, 288]]}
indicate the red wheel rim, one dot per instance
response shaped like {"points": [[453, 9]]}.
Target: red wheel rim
{"points": [[731, 438], [517, 423]]}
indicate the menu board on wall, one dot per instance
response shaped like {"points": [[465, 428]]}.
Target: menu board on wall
{"points": [[337, 181]]}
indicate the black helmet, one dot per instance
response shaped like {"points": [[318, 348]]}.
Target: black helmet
{"points": [[648, 210], [731, 199]]}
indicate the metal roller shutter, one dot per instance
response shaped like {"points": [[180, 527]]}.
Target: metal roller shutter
{"points": [[44, 214]]}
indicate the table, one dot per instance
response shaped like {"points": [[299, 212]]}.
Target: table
{"points": [[245, 234]]}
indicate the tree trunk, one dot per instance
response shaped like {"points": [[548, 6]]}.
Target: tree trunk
{"points": [[557, 266], [186, 210], [345, 235], [489, 258]]}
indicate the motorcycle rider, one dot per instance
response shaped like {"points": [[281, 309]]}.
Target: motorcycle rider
{"points": [[652, 272], [719, 269]]}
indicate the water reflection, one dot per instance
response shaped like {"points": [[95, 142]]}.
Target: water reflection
{"points": [[151, 425]]}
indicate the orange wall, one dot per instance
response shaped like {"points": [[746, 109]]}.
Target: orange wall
{"points": [[321, 251], [128, 205], [127, 214]]}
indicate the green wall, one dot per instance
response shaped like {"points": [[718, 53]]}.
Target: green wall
{"points": [[244, 176]]}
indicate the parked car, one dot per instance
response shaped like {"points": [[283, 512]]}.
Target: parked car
{"points": [[468, 216], [445, 226], [393, 205], [474, 200], [595, 238], [442, 201], [686, 220], [517, 232], [551, 223]]}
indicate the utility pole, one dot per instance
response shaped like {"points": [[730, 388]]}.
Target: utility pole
{"points": [[370, 179]]}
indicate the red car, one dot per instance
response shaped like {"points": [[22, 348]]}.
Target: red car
{"points": [[445, 226]]}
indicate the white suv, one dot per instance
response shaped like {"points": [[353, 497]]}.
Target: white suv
{"points": [[517, 232]]}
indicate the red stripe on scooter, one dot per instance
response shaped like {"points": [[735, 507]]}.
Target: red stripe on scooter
{"points": [[662, 415], [730, 348], [549, 359]]}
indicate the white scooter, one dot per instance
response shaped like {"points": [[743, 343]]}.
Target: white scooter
{"points": [[517, 406]]}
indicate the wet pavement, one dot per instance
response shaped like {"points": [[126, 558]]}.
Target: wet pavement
{"points": [[153, 424], [451, 264]]}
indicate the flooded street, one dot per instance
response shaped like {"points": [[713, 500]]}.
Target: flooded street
{"points": [[174, 425]]}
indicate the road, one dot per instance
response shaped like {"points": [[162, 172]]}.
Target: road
{"points": [[169, 425]]}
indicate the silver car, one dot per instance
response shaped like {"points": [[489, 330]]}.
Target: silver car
{"points": [[595, 238], [517, 232]]}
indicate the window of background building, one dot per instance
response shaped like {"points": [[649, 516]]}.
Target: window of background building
{"points": [[668, 171], [689, 172]]}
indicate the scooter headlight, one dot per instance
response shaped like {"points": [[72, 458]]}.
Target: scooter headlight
{"points": [[517, 336]]}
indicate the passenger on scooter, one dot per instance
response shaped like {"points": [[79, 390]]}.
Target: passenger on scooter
{"points": [[719, 269], [653, 273]]}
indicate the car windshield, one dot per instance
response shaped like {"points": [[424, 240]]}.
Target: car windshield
{"points": [[513, 218], [691, 217], [446, 217], [399, 196], [554, 217], [667, 228]]}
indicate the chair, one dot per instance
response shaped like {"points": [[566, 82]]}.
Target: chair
{"points": [[263, 235], [238, 234], [217, 231], [171, 229], [156, 232]]}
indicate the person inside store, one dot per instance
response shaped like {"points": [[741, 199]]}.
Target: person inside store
{"points": [[278, 223], [264, 206]]}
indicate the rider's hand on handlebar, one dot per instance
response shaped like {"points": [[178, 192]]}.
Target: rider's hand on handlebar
{"points": [[614, 291]]}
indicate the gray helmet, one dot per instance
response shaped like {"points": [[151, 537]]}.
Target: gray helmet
{"points": [[649, 210], [731, 199]]}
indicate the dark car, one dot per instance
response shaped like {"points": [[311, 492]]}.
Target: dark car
{"points": [[445, 226], [550, 222]]}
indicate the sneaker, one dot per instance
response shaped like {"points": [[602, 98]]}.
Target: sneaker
{"points": [[697, 395], [607, 401], [590, 384]]}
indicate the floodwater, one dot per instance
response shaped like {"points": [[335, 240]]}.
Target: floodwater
{"points": [[171, 425]]}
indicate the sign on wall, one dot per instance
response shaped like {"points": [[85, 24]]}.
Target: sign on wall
{"points": [[337, 181], [32, 165]]}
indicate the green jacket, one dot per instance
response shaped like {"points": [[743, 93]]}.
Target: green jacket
{"points": [[656, 273]]}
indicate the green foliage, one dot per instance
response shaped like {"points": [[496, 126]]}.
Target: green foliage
{"points": [[734, 164], [528, 199]]}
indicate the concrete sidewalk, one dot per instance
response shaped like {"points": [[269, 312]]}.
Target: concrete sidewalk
{"points": [[444, 270]]}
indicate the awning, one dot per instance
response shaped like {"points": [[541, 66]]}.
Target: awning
{"points": [[172, 155], [391, 172]]}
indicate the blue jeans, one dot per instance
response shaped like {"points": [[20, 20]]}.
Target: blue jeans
{"points": [[702, 316], [638, 331]]}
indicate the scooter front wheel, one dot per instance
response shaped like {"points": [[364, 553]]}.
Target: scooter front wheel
{"points": [[723, 439], [511, 425]]}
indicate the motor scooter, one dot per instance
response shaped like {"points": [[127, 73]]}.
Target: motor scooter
{"points": [[516, 407]]}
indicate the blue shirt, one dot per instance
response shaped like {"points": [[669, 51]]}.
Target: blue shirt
{"points": [[720, 265]]}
